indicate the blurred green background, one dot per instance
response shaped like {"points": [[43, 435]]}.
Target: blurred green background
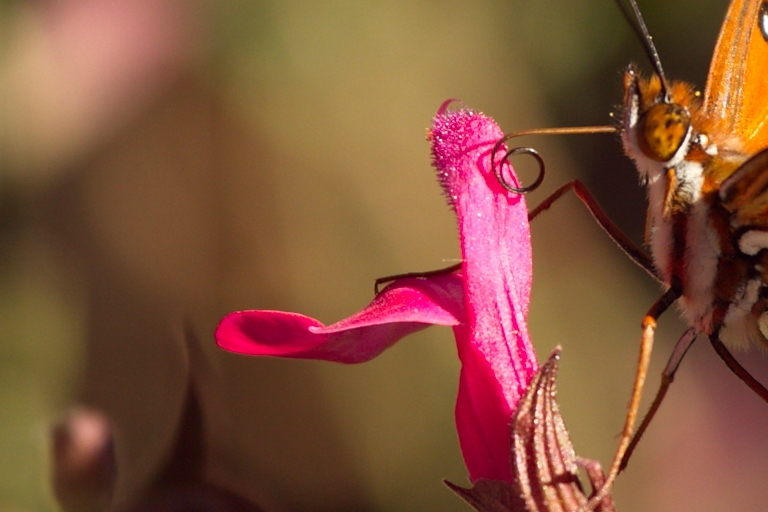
{"points": [[163, 160]]}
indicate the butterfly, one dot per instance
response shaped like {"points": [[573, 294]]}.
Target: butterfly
{"points": [[703, 159]]}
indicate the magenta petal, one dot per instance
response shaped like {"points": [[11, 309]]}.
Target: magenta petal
{"points": [[482, 417], [404, 307], [498, 361]]}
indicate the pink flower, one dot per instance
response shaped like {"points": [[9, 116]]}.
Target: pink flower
{"points": [[486, 301]]}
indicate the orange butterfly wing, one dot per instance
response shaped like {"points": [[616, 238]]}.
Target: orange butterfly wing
{"points": [[737, 84]]}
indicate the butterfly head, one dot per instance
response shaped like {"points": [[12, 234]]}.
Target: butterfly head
{"points": [[660, 123]]}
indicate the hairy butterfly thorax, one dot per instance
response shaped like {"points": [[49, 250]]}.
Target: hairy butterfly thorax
{"points": [[703, 241]]}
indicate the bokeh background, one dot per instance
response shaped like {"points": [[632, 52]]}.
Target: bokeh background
{"points": [[164, 161]]}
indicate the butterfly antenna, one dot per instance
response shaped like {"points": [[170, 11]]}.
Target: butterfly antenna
{"points": [[635, 20]]}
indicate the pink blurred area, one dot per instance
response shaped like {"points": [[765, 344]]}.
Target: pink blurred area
{"points": [[169, 161], [77, 70]]}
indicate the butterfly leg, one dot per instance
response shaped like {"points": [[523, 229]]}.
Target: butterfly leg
{"points": [[736, 367], [646, 347], [667, 377], [582, 192], [429, 273]]}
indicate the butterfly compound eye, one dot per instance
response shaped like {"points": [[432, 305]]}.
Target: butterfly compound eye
{"points": [[662, 129], [762, 20]]}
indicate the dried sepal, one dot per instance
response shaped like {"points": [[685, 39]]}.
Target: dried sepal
{"points": [[596, 479], [544, 464], [543, 459], [489, 496]]}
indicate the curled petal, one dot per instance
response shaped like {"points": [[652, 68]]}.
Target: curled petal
{"points": [[486, 302], [498, 360], [405, 306]]}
